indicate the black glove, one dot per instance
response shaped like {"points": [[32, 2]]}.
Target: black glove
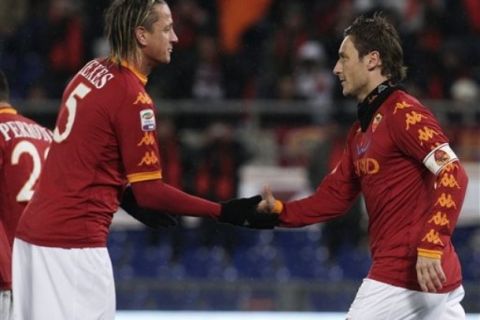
{"points": [[243, 212], [150, 218]]}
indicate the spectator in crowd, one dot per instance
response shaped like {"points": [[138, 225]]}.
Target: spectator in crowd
{"points": [[217, 178], [313, 81]]}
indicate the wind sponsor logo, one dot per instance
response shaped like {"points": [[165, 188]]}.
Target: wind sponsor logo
{"points": [[366, 166]]}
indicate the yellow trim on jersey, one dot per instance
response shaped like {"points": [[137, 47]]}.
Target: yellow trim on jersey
{"points": [[143, 78], [8, 110], [429, 253], [144, 176], [277, 207]]}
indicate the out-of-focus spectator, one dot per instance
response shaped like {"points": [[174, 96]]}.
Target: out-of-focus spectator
{"points": [[314, 80], [217, 178], [208, 77], [12, 15], [465, 90], [64, 44]]}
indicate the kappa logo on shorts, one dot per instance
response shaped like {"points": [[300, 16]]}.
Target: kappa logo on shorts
{"points": [[147, 120]]}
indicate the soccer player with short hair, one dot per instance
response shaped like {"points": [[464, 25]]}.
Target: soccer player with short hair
{"points": [[104, 139], [23, 148], [398, 157]]}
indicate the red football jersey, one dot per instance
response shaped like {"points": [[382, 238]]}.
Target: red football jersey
{"points": [[413, 187], [23, 147], [105, 137]]}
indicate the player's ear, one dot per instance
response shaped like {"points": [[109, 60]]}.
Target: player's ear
{"points": [[140, 35], [374, 60]]}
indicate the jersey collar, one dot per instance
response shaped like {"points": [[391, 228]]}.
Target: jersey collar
{"points": [[7, 109], [367, 108], [143, 78]]}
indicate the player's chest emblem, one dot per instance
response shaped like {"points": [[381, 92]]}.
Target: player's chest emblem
{"points": [[376, 121]]}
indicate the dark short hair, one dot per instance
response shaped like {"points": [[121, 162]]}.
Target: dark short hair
{"points": [[4, 89], [377, 34], [121, 19]]}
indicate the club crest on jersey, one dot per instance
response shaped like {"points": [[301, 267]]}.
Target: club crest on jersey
{"points": [[441, 157], [147, 120], [376, 121]]}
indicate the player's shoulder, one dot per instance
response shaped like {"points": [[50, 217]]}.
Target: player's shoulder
{"points": [[401, 102]]}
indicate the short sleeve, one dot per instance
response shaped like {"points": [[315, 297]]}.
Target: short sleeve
{"points": [[135, 128]]}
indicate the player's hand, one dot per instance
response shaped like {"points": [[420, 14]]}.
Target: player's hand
{"points": [[150, 218], [430, 274], [243, 212], [268, 201]]}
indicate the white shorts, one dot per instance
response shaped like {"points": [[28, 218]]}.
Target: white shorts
{"points": [[60, 284], [381, 301], [6, 311]]}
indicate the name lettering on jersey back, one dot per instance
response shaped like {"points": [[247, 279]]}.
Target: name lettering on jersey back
{"points": [[366, 166], [148, 159], [96, 73], [20, 129]]}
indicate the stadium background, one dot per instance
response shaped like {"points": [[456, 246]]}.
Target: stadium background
{"points": [[249, 98]]}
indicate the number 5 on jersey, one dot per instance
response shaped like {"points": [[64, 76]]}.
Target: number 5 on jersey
{"points": [[79, 92]]}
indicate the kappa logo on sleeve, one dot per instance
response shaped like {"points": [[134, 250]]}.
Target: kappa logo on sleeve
{"points": [[412, 119], [147, 139], [147, 120], [143, 98]]}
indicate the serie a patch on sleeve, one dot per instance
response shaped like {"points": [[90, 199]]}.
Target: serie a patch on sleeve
{"points": [[439, 157], [147, 120]]}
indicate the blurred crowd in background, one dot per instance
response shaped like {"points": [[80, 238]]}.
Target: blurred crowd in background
{"points": [[246, 49]]}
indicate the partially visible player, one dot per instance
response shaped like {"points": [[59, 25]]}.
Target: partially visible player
{"points": [[23, 147], [105, 138], [414, 185]]}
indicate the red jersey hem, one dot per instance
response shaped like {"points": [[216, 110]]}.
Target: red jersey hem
{"points": [[413, 286], [67, 244]]}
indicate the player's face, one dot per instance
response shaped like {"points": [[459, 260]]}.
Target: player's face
{"points": [[352, 71], [159, 42]]}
